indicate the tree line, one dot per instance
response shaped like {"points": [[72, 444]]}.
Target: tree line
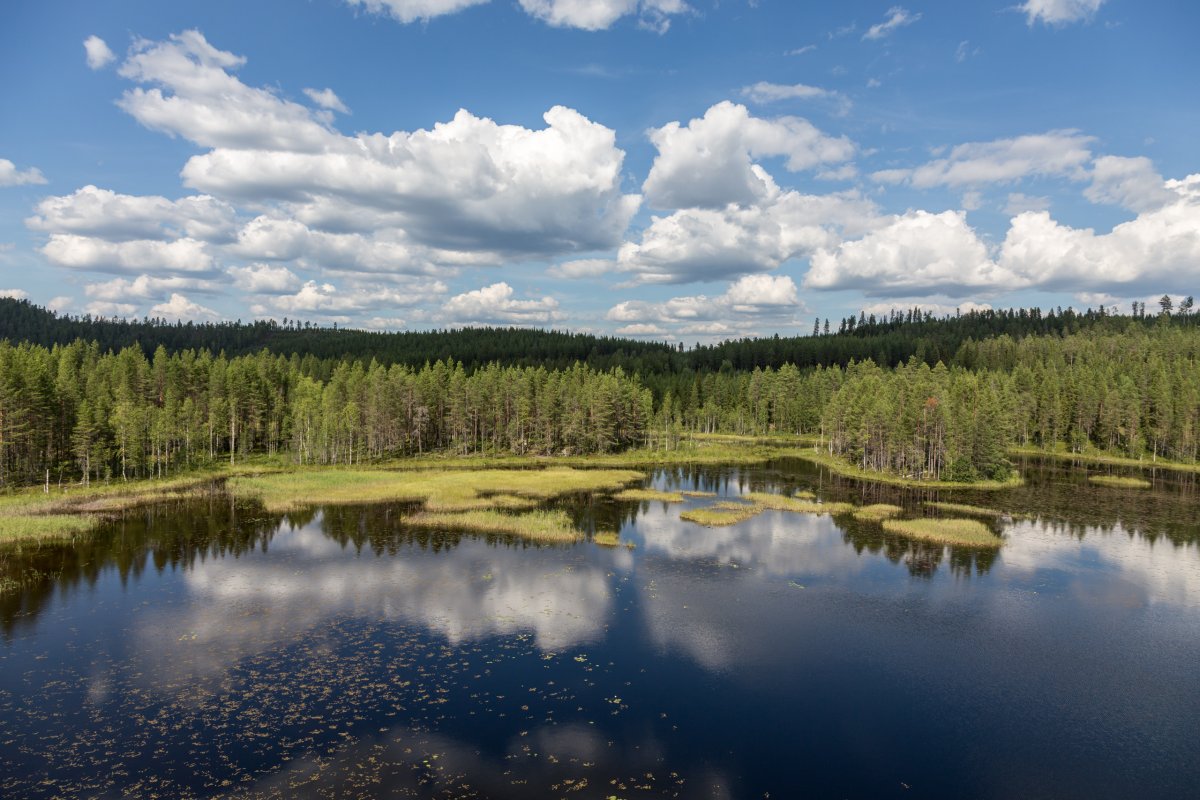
{"points": [[75, 412], [82, 412], [1134, 393], [889, 340]]}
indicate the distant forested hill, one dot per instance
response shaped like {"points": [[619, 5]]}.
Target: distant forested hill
{"points": [[21, 321], [888, 341]]}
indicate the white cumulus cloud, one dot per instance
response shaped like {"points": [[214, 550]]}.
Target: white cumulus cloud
{"points": [[919, 252], [710, 162], [765, 92], [495, 304], [897, 17], [193, 95], [98, 53], [179, 307], [746, 302], [407, 11], [699, 244], [916, 252], [327, 99], [583, 268], [1159, 247], [1059, 12], [596, 15], [145, 287], [265, 279], [1062, 153], [140, 255], [1132, 183], [11, 176], [91, 211]]}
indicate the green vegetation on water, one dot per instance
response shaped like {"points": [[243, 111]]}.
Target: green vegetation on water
{"points": [[1119, 482], [437, 490], [877, 512], [730, 513], [29, 527], [649, 495], [537, 526], [801, 503], [965, 532], [32, 514], [969, 510], [720, 515]]}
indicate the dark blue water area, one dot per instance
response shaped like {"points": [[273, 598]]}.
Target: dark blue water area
{"points": [[214, 650]]}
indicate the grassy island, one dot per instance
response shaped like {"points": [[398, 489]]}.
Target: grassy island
{"points": [[720, 515], [967, 510], [877, 512], [649, 495], [964, 532], [1119, 482]]}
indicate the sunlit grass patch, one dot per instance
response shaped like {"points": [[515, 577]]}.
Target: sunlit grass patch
{"points": [[969, 510], [34, 514], [1119, 482], [799, 504], [721, 514], [538, 526], [439, 490], [696, 493], [606, 538], [877, 512], [511, 502], [41, 527], [968, 532], [648, 495]]}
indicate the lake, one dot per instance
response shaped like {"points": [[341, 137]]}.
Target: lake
{"points": [[210, 649]]}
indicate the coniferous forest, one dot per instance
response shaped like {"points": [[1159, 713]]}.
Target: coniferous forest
{"points": [[909, 394]]}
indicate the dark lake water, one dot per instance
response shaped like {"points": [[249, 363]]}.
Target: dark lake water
{"points": [[211, 649]]}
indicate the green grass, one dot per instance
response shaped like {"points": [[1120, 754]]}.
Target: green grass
{"points": [[720, 515], [966, 532], [437, 490], [877, 512], [695, 493], [970, 511], [731, 513], [1119, 482], [537, 526], [841, 467], [608, 539], [44, 527], [802, 503], [649, 495], [32, 514]]}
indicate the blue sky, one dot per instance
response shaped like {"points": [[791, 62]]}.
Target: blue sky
{"points": [[673, 169]]}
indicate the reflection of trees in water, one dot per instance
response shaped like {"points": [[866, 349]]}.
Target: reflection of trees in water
{"points": [[921, 558], [178, 535], [380, 529], [158, 537], [1053, 491]]}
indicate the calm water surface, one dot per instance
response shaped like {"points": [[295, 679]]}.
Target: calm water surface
{"points": [[210, 649]]}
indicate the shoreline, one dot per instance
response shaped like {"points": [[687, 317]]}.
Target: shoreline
{"points": [[839, 467], [1104, 459], [30, 516]]}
